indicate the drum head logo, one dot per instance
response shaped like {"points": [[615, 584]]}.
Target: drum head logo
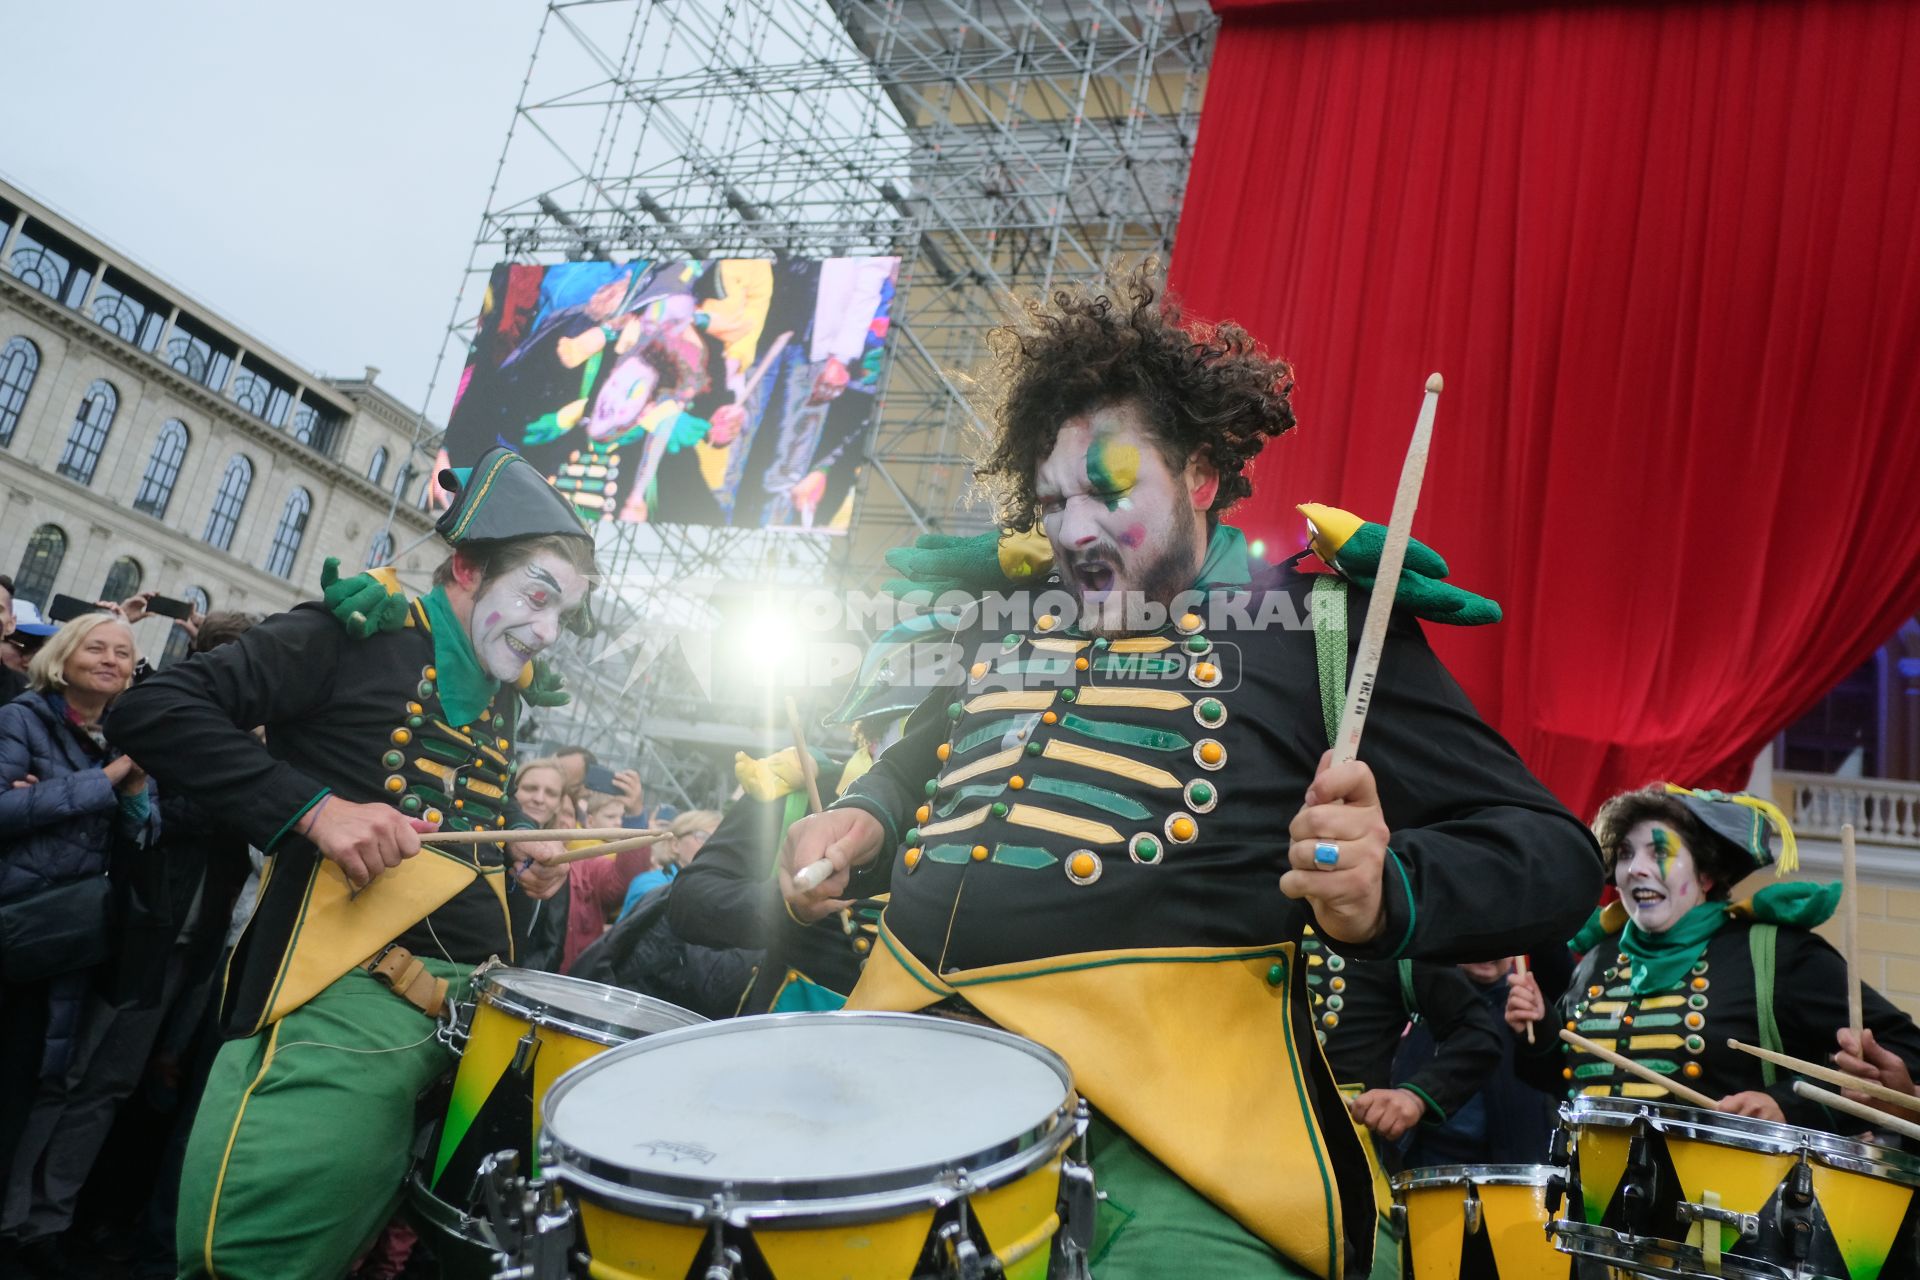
{"points": [[676, 1151]]}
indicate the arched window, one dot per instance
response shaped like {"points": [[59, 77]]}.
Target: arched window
{"points": [[402, 480], [293, 527], [19, 361], [41, 565], [179, 639], [88, 435], [377, 469], [123, 579], [229, 502], [163, 468], [381, 552]]}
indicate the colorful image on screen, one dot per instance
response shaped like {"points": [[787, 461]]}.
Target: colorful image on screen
{"points": [[733, 391]]}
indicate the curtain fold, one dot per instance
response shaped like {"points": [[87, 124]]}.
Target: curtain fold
{"points": [[1668, 259]]}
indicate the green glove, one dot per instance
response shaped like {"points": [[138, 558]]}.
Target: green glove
{"points": [[998, 560], [546, 689], [363, 604], [687, 430], [1422, 587]]}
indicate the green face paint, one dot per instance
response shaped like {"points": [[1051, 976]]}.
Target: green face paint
{"points": [[1113, 468], [1665, 849]]}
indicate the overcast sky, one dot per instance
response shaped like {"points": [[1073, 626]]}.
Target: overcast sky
{"points": [[313, 173]]}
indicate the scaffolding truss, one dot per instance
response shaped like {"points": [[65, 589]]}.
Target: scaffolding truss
{"points": [[993, 145]]}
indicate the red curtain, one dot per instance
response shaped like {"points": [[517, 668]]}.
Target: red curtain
{"points": [[1668, 259]]}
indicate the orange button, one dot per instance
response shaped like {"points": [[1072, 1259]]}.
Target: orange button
{"points": [[944, 751], [1083, 864], [980, 852], [1016, 782], [1212, 752], [1050, 717], [1183, 829]]}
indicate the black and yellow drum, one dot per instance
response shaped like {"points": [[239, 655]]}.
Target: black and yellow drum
{"points": [[521, 1031], [815, 1146], [1666, 1190], [1480, 1221]]}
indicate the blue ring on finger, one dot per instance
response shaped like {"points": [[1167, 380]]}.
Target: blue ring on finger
{"points": [[1326, 855]]}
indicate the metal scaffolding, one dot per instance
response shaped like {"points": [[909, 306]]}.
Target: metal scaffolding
{"points": [[993, 145]]}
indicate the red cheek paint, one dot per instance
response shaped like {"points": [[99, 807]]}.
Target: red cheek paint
{"points": [[493, 618], [1133, 536]]}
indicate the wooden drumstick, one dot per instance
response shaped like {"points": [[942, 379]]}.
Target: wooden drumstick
{"points": [[808, 770], [518, 835], [1520, 967], [1832, 1075], [1683, 1092], [1850, 896], [638, 840], [1877, 1118], [1386, 581]]}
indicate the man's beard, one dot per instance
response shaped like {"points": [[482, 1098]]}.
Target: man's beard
{"points": [[1165, 576]]}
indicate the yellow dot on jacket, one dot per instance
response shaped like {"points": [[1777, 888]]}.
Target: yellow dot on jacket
{"points": [[922, 813], [1083, 864], [980, 852], [1079, 664], [978, 670], [913, 858], [944, 751], [1045, 622], [1050, 717], [1212, 752], [1183, 829]]}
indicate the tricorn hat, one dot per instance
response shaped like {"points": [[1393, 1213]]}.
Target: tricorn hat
{"points": [[1746, 822]]}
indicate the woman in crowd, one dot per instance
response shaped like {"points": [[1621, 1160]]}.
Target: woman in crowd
{"points": [[68, 803], [1674, 970], [541, 789], [689, 832]]}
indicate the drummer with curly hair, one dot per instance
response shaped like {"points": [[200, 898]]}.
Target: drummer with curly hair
{"points": [[1108, 831], [1675, 968]]}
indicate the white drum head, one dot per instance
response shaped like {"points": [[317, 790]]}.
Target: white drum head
{"points": [[588, 1009], [805, 1106]]}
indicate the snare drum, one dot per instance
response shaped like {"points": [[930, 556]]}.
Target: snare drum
{"points": [[1675, 1191], [526, 1030], [850, 1146], [1487, 1221]]}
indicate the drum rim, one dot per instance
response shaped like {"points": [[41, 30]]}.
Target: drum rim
{"points": [[824, 1202], [1479, 1175], [1745, 1133], [487, 990], [1630, 1251]]}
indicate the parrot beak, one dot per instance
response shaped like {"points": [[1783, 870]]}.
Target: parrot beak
{"points": [[1328, 529]]}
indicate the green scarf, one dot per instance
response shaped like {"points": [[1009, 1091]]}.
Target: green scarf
{"points": [[1661, 960], [465, 687]]}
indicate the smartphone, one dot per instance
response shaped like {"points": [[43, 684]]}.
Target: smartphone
{"points": [[600, 779], [65, 608], [168, 607]]}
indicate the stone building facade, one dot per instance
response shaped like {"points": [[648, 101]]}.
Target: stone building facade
{"points": [[148, 444]]}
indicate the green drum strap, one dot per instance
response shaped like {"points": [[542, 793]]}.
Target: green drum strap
{"points": [[1762, 941], [1330, 647]]}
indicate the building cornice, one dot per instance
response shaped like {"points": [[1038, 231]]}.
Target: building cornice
{"points": [[115, 348]]}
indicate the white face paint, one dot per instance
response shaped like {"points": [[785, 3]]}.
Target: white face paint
{"points": [[1656, 877], [519, 613]]}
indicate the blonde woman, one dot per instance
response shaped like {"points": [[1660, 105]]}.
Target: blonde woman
{"points": [[67, 799]]}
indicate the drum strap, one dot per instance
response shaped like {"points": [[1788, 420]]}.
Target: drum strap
{"points": [[1762, 940], [399, 971]]}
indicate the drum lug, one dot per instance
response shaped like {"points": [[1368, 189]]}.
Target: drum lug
{"points": [[724, 1262], [1073, 1242], [1794, 1216], [1474, 1216], [960, 1249]]}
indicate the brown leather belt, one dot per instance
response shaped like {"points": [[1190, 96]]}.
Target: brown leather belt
{"points": [[400, 971]]}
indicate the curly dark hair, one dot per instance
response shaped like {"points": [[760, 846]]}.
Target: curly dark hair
{"points": [[1713, 857], [1207, 388]]}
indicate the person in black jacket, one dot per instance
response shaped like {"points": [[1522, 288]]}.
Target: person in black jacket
{"points": [[13, 682], [70, 806], [1674, 969], [360, 935]]}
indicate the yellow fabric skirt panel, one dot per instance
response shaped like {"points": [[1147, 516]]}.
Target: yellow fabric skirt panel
{"points": [[1161, 1041], [339, 929]]}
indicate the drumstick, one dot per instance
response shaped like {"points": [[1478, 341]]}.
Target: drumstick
{"points": [[1520, 967], [517, 835], [638, 840], [808, 769], [1386, 581], [1628, 1065], [1832, 1075], [1879, 1119], [1850, 895]]}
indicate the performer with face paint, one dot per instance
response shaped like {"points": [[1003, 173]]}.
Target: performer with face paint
{"points": [[1674, 969], [1108, 830], [361, 935]]}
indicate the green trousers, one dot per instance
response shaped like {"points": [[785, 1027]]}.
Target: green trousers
{"points": [[301, 1143], [1151, 1225]]}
